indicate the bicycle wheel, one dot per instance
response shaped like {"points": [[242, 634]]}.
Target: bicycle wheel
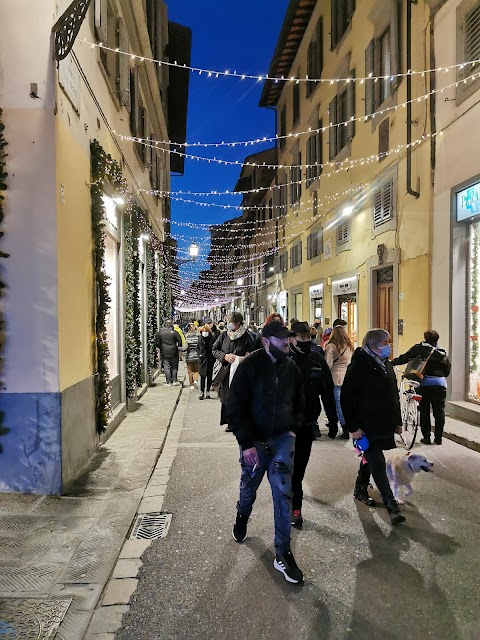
{"points": [[410, 426]]}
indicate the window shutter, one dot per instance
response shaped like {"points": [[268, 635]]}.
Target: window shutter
{"points": [[153, 171], [320, 148], [351, 107], [276, 201], [147, 134], [315, 203], [387, 196], [101, 20], [311, 71], [299, 176], [377, 207], [319, 49], [309, 247], [133, 101], [343, 233], [299, 253], [395, 44], [334, 24], [276, 265], [472, 39], [124, 67], [350, 8], [333, 130], [369, 84], [384, 137]]}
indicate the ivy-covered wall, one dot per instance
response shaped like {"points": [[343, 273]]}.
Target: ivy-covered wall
{"points": [[3, 186]]}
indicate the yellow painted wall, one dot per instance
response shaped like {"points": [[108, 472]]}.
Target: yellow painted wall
{"points": [[413, 229], [75, 267]]}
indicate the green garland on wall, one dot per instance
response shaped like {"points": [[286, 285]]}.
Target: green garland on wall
{"points": [[132, 333], [474, 308], [152, 303], [3, 255]]}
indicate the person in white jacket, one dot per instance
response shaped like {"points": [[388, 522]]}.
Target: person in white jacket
{"points": [[338, 354]]}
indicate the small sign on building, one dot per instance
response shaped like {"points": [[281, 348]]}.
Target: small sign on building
{"points": [[69, 79]]}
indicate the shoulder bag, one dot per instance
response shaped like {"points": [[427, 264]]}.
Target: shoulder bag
{"points": [[416, 367]]}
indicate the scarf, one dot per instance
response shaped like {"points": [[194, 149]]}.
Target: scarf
{"points": [[234, 335], [375, 356]]}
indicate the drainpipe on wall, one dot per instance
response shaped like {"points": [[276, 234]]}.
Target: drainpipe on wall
{"points": [[416, 194]]}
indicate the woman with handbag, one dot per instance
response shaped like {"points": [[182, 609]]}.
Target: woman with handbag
{"points": [[207, 360], [191, 358], [230, 348], [431, 366], [338, 354]]}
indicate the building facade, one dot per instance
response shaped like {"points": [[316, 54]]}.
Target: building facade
{"points": [[456, 211], [89, 268], [355, 229]]}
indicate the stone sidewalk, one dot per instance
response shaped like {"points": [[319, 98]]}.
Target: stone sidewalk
{"points": [[57, 554]]}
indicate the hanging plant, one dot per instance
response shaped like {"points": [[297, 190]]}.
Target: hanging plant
{"points": [[3, 186]]}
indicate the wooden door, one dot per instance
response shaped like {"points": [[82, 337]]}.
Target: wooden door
{"points": [[385, 307]]}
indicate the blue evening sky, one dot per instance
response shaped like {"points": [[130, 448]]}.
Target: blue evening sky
{"points": [[226, 35]]}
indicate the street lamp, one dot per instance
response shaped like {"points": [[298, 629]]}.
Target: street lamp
{"points": [[193, 250], [240, 282]]}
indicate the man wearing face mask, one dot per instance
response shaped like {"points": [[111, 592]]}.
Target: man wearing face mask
{"points": [[265, 410], [318, 382], [371, 406]]}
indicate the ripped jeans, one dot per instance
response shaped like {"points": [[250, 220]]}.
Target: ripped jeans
{"points": [[276, 459]]}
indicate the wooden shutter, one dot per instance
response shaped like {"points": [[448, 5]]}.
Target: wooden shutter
{"points": [[276, 202], [383, 204], [350, 9], [384, 137], [334, 24], [153, 170], [319, 49], [147, 134], [351, 108], [395, 44], [101, 19], [343, 233], [332, 152], [134, 100], [299, 176], [292, 257], [315, 203], [124, 67], [309, 246], [377, 207], [311, 71], [370, 84], [320, 147]]}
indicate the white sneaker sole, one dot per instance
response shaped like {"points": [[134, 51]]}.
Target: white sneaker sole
{"points": [[279, 567], [239, 541]]}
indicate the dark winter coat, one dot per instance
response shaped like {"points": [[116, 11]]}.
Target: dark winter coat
{"points": [[318, 384], [191, 346], [206, 357], [239, 347], [266, 399], [370, 399], [169, 342], [439, 364]]}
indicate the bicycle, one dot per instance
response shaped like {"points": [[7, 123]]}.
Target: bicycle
{"points": [[409, 400]]}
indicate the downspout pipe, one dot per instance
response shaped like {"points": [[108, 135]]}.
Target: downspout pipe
{"points": [[410, 191]]}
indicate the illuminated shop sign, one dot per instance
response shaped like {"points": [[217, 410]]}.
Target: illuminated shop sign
{"points": [[316, 291], [468, 203], [342, 287]]}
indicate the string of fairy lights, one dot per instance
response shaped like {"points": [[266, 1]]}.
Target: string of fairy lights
{"points": [[215, 289]]}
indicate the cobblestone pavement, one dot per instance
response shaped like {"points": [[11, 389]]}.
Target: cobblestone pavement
{"points": [[56, 554], [363, 580]]}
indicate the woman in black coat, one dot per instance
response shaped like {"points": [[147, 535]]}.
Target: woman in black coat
{"points": [[236, 341], [371, 406], [205, 345]]}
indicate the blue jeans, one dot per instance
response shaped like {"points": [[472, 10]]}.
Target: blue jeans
{"points": [[276, 459], [336, 392]]}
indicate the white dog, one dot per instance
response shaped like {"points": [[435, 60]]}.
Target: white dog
{"points": [[401, 467]]}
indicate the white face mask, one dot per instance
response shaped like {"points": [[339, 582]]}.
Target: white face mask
{"points": [[231, 326], [205, 334]]}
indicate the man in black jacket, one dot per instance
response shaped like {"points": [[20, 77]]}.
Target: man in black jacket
{"points": [[265, 409], [318, 382], [169, 342], [371, 406], [433, 387]]}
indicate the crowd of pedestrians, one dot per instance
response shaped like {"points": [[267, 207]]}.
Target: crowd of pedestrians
{"points": [[274, 381]]}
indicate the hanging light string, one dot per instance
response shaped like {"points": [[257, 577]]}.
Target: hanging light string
{"points": [[216, 73], [345, 165], [311, 131]]}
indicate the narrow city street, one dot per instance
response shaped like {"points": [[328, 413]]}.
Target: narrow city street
{"points": [[362, 580]]}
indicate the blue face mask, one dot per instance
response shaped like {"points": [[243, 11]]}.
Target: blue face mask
{"points": [[385, 352]]}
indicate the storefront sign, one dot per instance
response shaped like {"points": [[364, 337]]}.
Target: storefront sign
{"points": [[316, 291], [342, 287], [468, 203]]}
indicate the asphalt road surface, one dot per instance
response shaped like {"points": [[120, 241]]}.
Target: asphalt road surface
{"points": [[363, 580]]}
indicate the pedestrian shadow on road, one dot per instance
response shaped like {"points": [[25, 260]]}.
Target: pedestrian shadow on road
{"points": [[392, 598], [418, 529]]}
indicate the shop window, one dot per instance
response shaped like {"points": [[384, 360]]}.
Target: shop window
{"points": [[343, 233], [473, 392], [342, 114], [468, 47], [383, 204], [315, 58], [314, 155], [341, 12], [111, 271]]}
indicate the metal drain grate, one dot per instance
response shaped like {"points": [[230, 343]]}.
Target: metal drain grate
{"points": [[32, 618], [150, 526]]}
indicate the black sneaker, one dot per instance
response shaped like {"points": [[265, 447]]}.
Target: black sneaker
{"points": [[297, 520], [426, 441], [287, 565], [200, 397], [240, 528]]}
